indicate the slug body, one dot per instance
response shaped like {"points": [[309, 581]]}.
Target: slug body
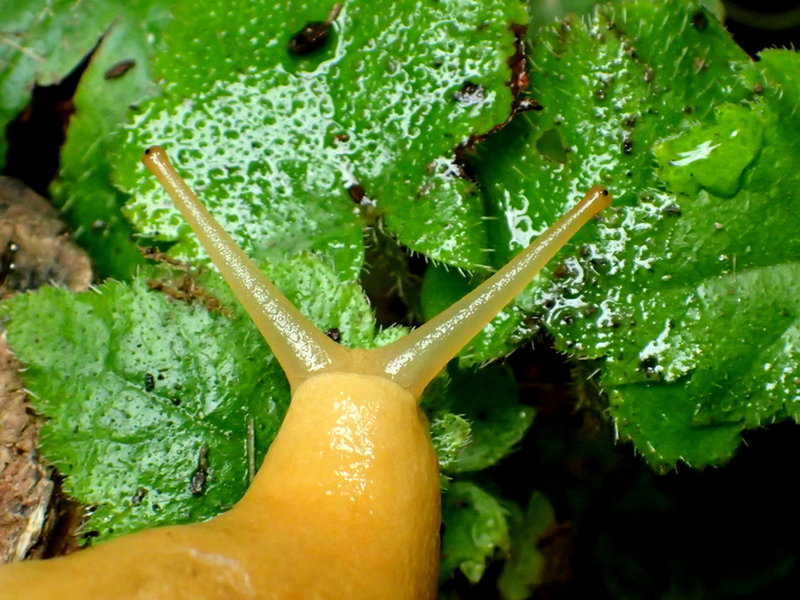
{"points": [[346, 503]]}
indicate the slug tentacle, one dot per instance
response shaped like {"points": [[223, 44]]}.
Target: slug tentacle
{"points": [[301, 349], [414, 360], [411, 362]]}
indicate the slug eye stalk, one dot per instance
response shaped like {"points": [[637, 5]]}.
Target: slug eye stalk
{"points": [[301, 349], [411, 362]]}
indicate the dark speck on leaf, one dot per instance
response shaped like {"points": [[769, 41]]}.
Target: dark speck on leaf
{"points": [[310, 38], [334, 334], [139, 496], [198, 483], [149, 382], [119, 69], [672, 210], [357, 193], [649, 365], [700, 20], [469, 94], [313, 35], [527, 104], [627, 146], [561, 272]]}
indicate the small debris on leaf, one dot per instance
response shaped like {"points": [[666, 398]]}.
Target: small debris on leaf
{"points": [[313, 35], [119, 69], [200, 476]]}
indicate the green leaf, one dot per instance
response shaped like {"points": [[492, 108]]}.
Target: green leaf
{"points": [[137, 388], [475, 530], [41, 41], [489, 400], [547, 12], [685, 293], [450, 433], [713, 158], [83, 190], [273, 142], [686, 289], [134, 387], [476, 417], [524, 569]]}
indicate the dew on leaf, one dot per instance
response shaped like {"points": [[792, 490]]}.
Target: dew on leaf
{"points": [[470, 94]]}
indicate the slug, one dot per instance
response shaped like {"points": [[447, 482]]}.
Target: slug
{"points": [[346, 502]]}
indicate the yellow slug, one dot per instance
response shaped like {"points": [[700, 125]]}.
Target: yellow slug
{"points": [[346, 503]]}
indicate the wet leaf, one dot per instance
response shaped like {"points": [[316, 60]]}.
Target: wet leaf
{"points": [[280, 145], [157, 410], [685, 292], [686, 289]]}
